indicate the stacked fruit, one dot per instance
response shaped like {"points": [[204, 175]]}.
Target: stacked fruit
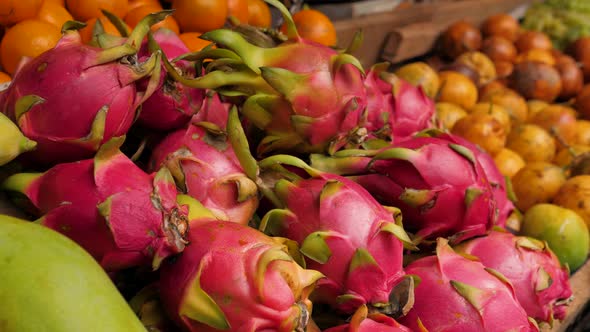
{"points": [[29, 28], [267, 183], [523, 102]]}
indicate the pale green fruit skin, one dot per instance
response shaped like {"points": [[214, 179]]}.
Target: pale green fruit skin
{"points": [[50, 284], [563, 229]]}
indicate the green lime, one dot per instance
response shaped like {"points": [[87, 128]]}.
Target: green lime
{"points": [[563, 229]]}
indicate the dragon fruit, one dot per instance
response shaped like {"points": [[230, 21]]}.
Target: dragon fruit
{"points": [[173, 104], [363, 321], [540, 282], [303, 95], [205, 167], [75, 97], [502, 192], [438, 184], [459, 295], [122, 216], [342, 230], [395, 108], [233, 277]]}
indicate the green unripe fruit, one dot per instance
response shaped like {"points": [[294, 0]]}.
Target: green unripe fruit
{"points": [[563, 229], [50, 284]]}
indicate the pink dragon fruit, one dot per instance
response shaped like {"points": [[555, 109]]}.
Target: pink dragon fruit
{"points": [[122, 216], [540, 282], [459, 295], [75, 97], [499, 183], [173, 104], [303, 95], [363, 321], [395, 108], [438, 184], [205, 167], [343, 233], [233, 277]]}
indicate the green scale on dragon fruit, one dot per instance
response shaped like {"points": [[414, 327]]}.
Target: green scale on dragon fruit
{"points": [[455, 294], [438, 184], [540, 282], [204, 165], [342, 230], [235, 278], [75, 97], [172, 105], [121, 215]]}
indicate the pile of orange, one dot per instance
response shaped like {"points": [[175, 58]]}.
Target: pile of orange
{"points": [[31, 27]]}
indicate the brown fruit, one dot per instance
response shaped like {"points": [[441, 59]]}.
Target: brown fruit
{"points": [[582, 103], [482, 129], [580, 49], [464, 69], [535, 80], [559, 121], [457, 88], [572, 77], [502, 25], [481, 63], [574, 194], [536, 55], [508, 162], [514, 103], [537, 182], [499, 49], [529, 40], [532, 143], [460, 37], [582, 132], [504, 69], [447, 114]]}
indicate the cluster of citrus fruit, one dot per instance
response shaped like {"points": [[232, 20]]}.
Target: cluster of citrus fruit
{"points": [[28, 28]]}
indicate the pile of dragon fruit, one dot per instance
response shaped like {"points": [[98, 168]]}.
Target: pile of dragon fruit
{"points": [[269, 183]]}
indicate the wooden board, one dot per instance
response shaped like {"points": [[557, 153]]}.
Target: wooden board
{"points": [[411, 30], [580, 282]]}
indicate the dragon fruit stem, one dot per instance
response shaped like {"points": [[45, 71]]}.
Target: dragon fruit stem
{"points": [[252, 55], [341, 166], [119, 24], [292, 33], [143, 27]]}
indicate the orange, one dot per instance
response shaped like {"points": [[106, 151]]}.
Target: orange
{"points": [[53, 13], [83, 10], [109, 28], [4, 77], [13, 11], [193, 42], [135, 15], [138, 3], [314, 25], [27, 38], [200, 15], [238, 9], [57, 2], [259, 14]]}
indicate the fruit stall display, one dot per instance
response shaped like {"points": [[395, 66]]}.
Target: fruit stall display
{"points": [[172, 166]]}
